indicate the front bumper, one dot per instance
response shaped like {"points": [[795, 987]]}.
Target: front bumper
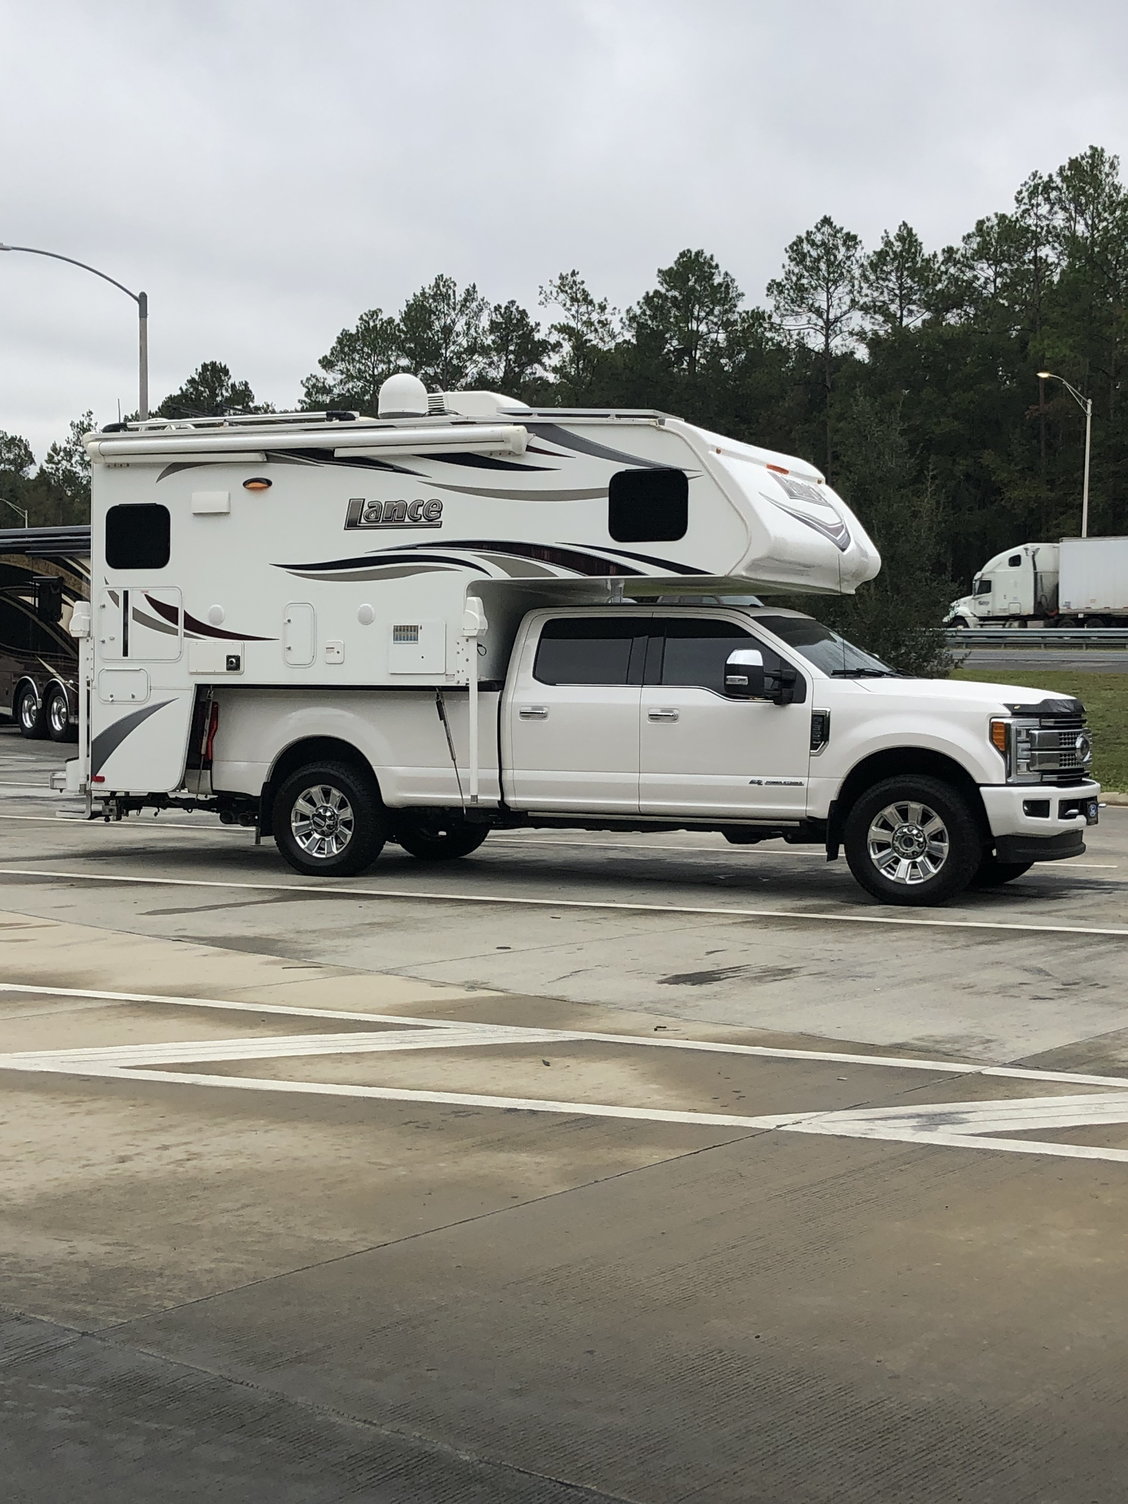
{"points": [[1039, 822]]}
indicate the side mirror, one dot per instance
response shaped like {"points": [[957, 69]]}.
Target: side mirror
{"points": [[779, 684], [744, 674]]}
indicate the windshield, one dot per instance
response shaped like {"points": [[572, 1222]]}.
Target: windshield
{"points": [[824, 648]]}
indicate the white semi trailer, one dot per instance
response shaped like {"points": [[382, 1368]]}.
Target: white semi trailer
{"points": [[465, 614], [1079, 582]]}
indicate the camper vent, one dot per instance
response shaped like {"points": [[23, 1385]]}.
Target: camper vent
{"points": [[405, 634], [436, 404]]}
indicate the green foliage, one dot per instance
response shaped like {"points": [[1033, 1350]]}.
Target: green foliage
{"points": [[210, 393], [68, 469]]}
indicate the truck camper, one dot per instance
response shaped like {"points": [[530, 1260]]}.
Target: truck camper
{"points": [[43, 571], [465, 613]]}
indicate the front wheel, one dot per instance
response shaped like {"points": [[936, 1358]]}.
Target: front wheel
{"points": [[913, 840], [329, 821], [439, 837], [28, 712]]}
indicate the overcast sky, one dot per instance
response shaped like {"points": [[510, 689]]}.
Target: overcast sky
{"points": [[268, 169]]}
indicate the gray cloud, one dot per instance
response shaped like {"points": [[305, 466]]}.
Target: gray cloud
{"points": [[268, 171]]}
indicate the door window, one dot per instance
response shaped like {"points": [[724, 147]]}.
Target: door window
{"points": [[695, 653], [591, 650]]}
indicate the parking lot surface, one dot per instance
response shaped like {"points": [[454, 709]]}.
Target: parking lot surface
{"points": [[646, 1169]]}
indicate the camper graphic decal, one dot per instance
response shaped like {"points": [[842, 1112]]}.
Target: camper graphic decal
{"points": [[501, 558], [812, 508]]}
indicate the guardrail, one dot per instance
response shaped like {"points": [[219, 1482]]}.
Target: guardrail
{"points": [[1037, 637]]}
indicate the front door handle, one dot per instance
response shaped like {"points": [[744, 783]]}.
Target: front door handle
{"points": [[661, 715], [533, 712]]}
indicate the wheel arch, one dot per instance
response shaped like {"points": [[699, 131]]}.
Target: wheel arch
{"points": [[309, 749], [901, 762]]}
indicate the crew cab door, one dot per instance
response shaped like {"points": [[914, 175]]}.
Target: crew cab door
{"points": [[572, 715], [705, 754]]}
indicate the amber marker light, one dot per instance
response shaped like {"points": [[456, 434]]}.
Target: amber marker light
{"points": [[256, 483], [999, 736]]}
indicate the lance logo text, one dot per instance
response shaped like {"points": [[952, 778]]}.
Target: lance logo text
{"points": [[364, 513]]}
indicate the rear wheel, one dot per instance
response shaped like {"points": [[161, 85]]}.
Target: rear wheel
{"points": [[992, 873], [28, 711], [58, 716], [913, 840], [438, 837], [329, 821]]}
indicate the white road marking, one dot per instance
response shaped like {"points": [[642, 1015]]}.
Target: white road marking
{"points": [[982, 1122], [439, 896], [515, 1034]]}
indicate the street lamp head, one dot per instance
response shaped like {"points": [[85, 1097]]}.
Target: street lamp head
{"points": [[4, 247], [1045, 374]]}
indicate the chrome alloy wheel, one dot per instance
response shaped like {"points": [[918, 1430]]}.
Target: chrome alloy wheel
{"points": [[29, 710], [908, 843], [322, 821], [58, 716]]}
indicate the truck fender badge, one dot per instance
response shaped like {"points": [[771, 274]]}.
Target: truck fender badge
{"points": [[422, 512], [773, 783]]}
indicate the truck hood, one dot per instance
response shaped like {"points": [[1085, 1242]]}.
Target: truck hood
{"points": [[963, 692]]}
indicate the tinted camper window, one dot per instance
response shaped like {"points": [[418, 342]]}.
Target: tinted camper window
{"points": [[648, 506], [137, 537]]}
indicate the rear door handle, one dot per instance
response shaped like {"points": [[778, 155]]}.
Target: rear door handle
{"points": [[533, 712], [661, 715]]}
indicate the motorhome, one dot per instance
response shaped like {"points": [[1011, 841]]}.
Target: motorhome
{"points": [[465, 614], [43, 572], [1078, 582]]}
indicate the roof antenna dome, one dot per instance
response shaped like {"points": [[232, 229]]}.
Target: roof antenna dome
{"points": [[403, 396]]}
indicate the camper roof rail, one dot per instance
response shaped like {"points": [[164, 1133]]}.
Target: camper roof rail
{"points": [[231, 420]]}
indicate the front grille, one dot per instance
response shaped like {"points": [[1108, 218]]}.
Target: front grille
{"points": [[1055, 755]]}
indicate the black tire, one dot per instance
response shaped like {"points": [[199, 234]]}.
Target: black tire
{"points": [[913, 840], [438, 837], [28, 713], [56, 715], [329, 820], [992, 873]]}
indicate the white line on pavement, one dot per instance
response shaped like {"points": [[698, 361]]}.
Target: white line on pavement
{"points": [[508, 1033], [439, 896]]}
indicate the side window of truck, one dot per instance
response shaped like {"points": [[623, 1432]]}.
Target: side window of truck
{"points": [[695, 653], [591, 650]]}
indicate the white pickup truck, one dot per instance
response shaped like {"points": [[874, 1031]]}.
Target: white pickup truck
{"points": [[759, 723], [464, 613]]}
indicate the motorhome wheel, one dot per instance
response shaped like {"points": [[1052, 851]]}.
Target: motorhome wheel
{"points": [[329, 821], [437, 837], [58, 716], [29, 712], [912, 840]]}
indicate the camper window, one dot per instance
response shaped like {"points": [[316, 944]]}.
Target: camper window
{"points": [[648, 506], [591, 650], [137, 536]]}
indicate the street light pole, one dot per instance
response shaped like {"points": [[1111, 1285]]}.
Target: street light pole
{"points": [[140, 298], [22, 512], [1086, 406]]}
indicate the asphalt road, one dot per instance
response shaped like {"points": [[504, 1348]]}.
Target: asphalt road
{"points": [[582, 1169]]}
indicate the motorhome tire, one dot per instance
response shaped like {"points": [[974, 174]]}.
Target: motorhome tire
{"points": [[435, 837], [329, 820], [913, 840], [28, 712], [57, 716], [992, 873]]}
